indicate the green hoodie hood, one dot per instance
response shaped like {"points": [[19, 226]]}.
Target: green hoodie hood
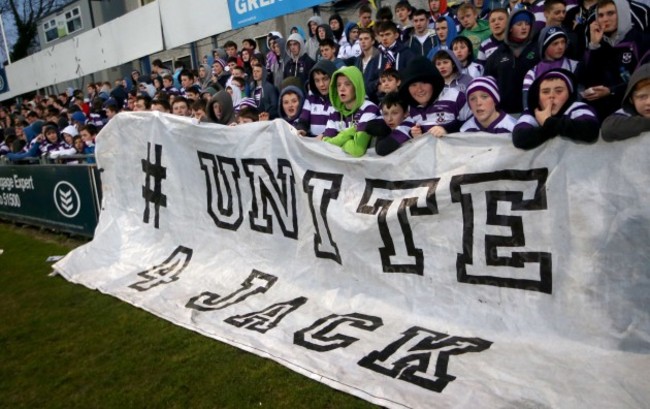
{"points": [[356, 77]]}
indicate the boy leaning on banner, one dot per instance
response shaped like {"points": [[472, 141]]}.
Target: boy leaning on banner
{"points": [[553, 110], [346, 126], [634, 116]]}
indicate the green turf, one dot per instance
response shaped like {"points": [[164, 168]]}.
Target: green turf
{"points": [[65, 346]]}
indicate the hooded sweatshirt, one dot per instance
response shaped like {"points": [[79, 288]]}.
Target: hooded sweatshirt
{"points": [[477, 35], [440, 110], [311, 45], [276, 64], [627, 122], [546, 64], [224, 100], [346, 126], [611, 62], [294, 119], [317, 107], [451, 34], [347, 49], [297, 66], [575, 120], [509, 64], [265, 95], [461, 80]]}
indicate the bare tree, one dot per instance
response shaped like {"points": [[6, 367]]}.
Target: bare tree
{"points": [[26, 14]]}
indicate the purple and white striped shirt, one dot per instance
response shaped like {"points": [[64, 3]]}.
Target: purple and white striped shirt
{"points": [[577, 111], [359, 119], [544, 66], [447, 111], [486, 49], [503, 124], [315, 112]]}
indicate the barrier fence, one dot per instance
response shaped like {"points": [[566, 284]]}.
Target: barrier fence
{"points": [[62, 197]]}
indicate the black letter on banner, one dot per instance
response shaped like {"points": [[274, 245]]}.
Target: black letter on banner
{"points": [[165, 273], [493, 242], [409, 357], [268, 318], [321, 188], [318, 336], [266, 190], [256, 283], [416, 195], [222, 182]]}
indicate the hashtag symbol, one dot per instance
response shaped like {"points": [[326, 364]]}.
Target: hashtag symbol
{"points": [[155, 196]]}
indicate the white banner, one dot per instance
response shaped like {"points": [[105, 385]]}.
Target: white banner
{"points": [[458, 272]]}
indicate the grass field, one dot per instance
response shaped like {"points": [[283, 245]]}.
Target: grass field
{"points": [[65, 346]]}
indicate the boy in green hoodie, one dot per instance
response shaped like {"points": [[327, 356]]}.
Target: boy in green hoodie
{"points": [[474, 29], [346, 126]]}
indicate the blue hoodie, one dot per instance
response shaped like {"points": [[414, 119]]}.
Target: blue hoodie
{"points": [[451, 34]]}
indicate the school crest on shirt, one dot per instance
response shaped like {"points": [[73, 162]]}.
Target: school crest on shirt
{"points": [[627, 57]]}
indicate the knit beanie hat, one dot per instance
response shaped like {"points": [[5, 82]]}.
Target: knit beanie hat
{"points": [[551, 34], [486, 84], [520, 17]]}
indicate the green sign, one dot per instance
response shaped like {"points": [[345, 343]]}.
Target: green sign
{"points": [[62, 197]]}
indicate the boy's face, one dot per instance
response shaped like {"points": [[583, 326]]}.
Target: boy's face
{"points": [[555, 16], [461, 51], [388, 38], [345, 90], [607, 18], [365, 41], [553, 91], [335, 25], [364, 19], [186, 81], [393, 116], [110, 113], [231, 51], [216, 110], [520, 30], [445, 67], [388, 83], [238, 72], [244, 120], [467, 18], [294, 48], [51, 136], [420, 23], [217, 68], [68, 139], [322, 82], [402, 14], [641, 100], [290, 104], [556, 49], [482, 106], [421, 92], [327, 52], [312, 27], [257, 73], [86, 136], [442, 28], [198, 113], [434, 6], [167, 83], [139, 105], [180, 109], [353, 35], [498, 23], [79, 145]]}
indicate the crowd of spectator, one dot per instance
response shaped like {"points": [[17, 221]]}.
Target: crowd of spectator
{"points": [[534, 69]]}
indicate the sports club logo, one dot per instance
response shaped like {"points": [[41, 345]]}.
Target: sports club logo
{"points": [[627, 57], [66, 199]]}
